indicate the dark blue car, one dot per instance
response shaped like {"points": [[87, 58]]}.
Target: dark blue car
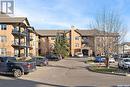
{"points": [[17, 68], [99, 59]]}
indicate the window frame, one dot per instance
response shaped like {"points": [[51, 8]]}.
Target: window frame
{"points": [[3, 26], [3, 51], [77, 37], [3, 38]]}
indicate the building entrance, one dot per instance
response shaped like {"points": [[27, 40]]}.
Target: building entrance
{"points": [[85, 52]]}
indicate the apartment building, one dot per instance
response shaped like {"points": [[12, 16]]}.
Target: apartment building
{"points": [[89, 42], [17, 37], [124, 48]]}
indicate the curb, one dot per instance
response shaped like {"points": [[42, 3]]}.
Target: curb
{"points": [[119, 74]]}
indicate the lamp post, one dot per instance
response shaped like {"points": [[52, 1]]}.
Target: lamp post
{"points": [[123, 48]]}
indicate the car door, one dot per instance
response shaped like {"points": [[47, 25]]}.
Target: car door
{"points": [[3, 64]]}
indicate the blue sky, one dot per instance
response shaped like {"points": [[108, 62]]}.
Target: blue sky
{"points": [[61, 14]]}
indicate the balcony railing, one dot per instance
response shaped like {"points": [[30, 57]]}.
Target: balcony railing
{"points": [[23, 33], [16, 44], [16, 32], [21, 45]]}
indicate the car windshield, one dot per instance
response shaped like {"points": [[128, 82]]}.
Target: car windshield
{"points": [[127, 60], [12, 59]]}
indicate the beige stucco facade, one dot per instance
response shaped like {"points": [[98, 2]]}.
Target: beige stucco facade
{"points": [[8, 42], [17, 37], [75, 41], [85, 41]]}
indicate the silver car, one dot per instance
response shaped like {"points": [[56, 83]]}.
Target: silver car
{"points": [[124, 63]]}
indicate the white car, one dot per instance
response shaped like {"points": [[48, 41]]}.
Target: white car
{"points": [[79, 54], [112, 60], [124, 63]]}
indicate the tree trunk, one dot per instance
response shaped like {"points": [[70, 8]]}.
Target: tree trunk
{"points": [[107, 62]]}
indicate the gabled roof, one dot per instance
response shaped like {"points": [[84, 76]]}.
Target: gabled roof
{"points": [[12, 19], [93, 32], [87, 32], [7, 19], [50, 32]]}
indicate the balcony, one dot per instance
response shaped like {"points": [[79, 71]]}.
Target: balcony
{"points": [[85, 41], [23, 33], [16, 32], [17, 45]]}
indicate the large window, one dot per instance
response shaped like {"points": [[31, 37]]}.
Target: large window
{"points": [[86, 39], [77, 38], [3, 38], [2, 51], [3, 27]]}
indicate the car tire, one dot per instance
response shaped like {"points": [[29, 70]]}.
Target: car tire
{"points": [[123, 67], [119, 66], [17, 73]]}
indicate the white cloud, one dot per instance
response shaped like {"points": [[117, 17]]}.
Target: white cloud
{"points": [[52, 19]]}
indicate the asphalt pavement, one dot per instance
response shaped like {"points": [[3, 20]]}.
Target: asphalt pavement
{"points": [[71, 72]]}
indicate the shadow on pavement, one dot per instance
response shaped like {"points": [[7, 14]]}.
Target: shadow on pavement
{"points": [[25, 83], [29, 83], [7, 75]]}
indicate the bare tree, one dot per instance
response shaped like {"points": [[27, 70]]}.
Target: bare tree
{"points": [[111, 30]]}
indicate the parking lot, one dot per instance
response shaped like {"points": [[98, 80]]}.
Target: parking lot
{"points": [[64, 73]]}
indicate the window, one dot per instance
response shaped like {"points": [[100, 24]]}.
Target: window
{"points": [[2, 51], [3, 38], [76, 45], [77, 38], [3, 26]]}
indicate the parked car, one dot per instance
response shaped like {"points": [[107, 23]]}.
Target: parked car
{"points": [[116, 57], [124, 63], [53, 56], [99, 59], [112, 60], [41, 61], [17, 68], [79, 54]]}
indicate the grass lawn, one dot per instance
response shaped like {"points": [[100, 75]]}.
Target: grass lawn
{"points": [[103, 69], [89, 61]]}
